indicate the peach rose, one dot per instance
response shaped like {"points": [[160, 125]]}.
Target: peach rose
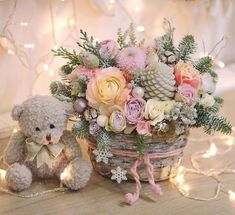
{"points": [[186, 93], [186, 74], [107, 88], [143, 128]]}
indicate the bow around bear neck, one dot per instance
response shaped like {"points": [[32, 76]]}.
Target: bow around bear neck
{"points": [[43, 153]]}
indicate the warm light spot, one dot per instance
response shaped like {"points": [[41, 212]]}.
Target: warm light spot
{"points": [[56, 47], [221, 64], [112, 1], [180, 169], [15, 130], [231, 195], [212, 151], [140, 28], [51, 72], [46, 67], [9, 51], [230, 142], [180, 179], [137, 8], [24, 24], [29, 46], [71, 22], [2, 174]]}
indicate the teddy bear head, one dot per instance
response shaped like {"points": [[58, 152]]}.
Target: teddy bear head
{"points": [[42, 118]]}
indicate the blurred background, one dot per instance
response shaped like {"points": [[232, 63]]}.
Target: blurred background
{"points": [[30, 29]]}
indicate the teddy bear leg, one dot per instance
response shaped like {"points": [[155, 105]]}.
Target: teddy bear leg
{"points": [[76, 175], [18, 177]]}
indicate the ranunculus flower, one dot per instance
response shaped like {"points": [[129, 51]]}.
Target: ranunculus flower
{"points": [[107, 88], [81, 71], [207, 100], [208, 83], [108, 48], [186, 93], [186, 74], [134, 109], [131, 58], [117, 121], [143, 128], [154, 111]]}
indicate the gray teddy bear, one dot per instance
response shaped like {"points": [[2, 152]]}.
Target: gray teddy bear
{"points": [[43, 147]]}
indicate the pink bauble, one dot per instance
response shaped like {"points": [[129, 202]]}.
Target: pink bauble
{"points": [[80, 105]]}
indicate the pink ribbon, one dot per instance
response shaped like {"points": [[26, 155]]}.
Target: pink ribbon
{"points": [[131, 198]]}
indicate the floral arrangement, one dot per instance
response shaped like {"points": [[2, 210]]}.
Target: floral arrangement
{"points": [[126, 87]]}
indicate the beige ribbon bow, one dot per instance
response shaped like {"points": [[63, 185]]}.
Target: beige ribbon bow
{"points": [[43, 153]]}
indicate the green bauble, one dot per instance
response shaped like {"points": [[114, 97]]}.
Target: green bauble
{"points": [[88, 59]]}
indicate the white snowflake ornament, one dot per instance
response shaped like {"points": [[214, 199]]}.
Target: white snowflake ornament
{"points": [[102, 155], [118, 174]]}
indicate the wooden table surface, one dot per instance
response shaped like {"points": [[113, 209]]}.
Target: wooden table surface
{"points": [[102, 196]]}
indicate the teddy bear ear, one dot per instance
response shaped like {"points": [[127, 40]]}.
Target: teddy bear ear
{"points": [[16, 112]]}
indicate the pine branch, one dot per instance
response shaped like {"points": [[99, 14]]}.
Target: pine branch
{"points": [[165, 43], [92, 46], [205, 64], [89, 44], [187, 47], [73, 60], [81, 129], [211, 121], [105, 139], [132, 36], [58, 88]]}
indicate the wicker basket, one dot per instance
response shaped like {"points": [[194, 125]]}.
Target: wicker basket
{"points": [[163, 167]]}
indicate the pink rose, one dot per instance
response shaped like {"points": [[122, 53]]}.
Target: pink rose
{"points": [[80, 71], [186, 93], [134, 109], [143, 128], [186, 74], [117, 121], [108, 48]]}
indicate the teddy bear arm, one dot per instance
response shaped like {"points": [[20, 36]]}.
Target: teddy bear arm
{"points": [[72, 149], [15, 150]]}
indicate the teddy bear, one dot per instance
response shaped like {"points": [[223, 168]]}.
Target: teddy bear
{"points": [[42, 147]]}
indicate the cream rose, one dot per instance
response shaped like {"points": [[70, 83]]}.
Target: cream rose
{"points": [[154, 111], [106, 89]]}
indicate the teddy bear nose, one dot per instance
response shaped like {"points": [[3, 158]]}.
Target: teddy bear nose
{"points": [[48, 137]]}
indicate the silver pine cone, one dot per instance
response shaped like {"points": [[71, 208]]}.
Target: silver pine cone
{"points": [[158, 81]]}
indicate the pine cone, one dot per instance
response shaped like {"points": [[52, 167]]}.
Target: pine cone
{"points": [[170, 58], [91, 114], [158, 82]]}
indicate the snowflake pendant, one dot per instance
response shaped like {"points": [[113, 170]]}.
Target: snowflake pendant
{"points": [[102, 155], [119, 174]]}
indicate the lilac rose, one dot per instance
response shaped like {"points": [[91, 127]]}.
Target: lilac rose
{"points": [[134, 109]]}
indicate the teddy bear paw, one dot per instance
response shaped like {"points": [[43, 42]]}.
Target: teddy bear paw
{"points": [[18, 177], [77, 174]]}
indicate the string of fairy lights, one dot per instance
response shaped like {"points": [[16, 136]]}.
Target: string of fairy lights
{"points": [[45, 62]]}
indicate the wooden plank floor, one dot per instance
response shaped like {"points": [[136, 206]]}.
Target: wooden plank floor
{"points": [[102, 196]]}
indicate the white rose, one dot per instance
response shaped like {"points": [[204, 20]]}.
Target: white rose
{"points": [[208, 83], [207, 100], [154, 111]]}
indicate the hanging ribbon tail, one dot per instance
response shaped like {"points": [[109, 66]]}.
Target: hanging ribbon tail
{"points": [[131, 198], [149, 167]]}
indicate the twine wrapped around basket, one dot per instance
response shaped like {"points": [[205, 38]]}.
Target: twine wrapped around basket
{"points": [[165, 155]]}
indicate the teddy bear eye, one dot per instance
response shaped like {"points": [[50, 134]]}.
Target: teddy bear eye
{"points": [[37, 129], [52, 126]]}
